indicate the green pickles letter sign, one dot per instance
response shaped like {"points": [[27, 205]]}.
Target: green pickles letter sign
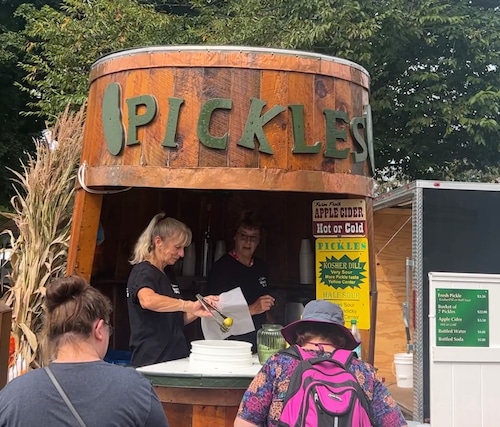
{"points": [[342, 276]]}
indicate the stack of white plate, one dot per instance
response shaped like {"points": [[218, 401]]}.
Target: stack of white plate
{"points": [[221, 353]]}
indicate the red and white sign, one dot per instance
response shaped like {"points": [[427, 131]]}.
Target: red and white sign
{"points": [[339, 217]]}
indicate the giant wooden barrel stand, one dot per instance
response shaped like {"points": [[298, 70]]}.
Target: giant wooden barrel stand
{"points": [[227, 118]]}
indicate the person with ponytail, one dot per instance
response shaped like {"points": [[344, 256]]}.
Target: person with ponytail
{"points": [[76, 337], [157, 311]]}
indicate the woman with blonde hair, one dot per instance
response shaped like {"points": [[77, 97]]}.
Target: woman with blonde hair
{"points": [[78, 388], [157, 312]]}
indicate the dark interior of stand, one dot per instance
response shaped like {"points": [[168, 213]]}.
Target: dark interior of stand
{"points": [[286, 217]]}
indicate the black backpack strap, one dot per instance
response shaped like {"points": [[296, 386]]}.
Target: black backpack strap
{"points": [[340, 356], [292, 351]]}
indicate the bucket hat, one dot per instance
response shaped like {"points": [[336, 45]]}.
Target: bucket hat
{"points": [[321, 311]]}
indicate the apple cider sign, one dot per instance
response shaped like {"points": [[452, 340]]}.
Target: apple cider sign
{"points": [[339, 218]]}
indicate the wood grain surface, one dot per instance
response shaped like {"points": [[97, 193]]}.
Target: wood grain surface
{"points": [[86, 213], [276, 79], [194, 407], [391, 247]]}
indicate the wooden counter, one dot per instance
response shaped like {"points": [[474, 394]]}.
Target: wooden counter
{"points": [[198, 396], [404, 397]]}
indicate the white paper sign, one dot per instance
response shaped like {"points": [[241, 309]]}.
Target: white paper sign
{"points": [[231, 304]]}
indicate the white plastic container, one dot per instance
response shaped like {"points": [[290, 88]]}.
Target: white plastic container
{"points": [[189, 261], [220, 249], [306, 263], [403, 363], [220, 353]]}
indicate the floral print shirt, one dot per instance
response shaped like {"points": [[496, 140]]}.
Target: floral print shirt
{"points": [[262, 402]]}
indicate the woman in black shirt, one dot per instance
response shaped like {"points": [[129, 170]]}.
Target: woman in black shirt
{"points": [[239, 268], [157, 313]]}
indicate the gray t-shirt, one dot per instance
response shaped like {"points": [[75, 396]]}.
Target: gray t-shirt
{"points": [[104, 395]]}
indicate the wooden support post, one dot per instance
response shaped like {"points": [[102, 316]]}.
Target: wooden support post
{"points": [[87, 212], [370, 357], [5, 328]]}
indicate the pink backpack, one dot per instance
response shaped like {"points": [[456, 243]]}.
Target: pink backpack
{"points": [[323, 393]]}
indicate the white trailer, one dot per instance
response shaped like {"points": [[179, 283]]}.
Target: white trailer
{"points": [[423, 227]]}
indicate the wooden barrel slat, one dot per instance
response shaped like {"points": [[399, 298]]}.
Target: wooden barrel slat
{"points": [[152, 152], [239, 179], [245, 85], [301, 90], [131, 87], [217, 89], [274, 89], [343, 102], [357, 105], [324, 98], [161, 83], [216, 84], [91, 151], [237, 58], [200, 396], [200, 407], [188, 86]]}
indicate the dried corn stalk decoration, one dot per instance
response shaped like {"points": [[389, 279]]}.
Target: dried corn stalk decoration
{"points": [[43, 205]]}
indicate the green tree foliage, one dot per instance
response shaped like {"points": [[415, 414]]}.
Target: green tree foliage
{"points": [[434, 69], [436, 92], [65, 43], [434, 65], [326, 26], [16, 130]]}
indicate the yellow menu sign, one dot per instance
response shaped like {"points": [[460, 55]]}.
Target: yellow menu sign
{"points": [[342, 276]]}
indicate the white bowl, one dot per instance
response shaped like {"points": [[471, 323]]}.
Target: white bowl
{"points": [[214, 360], [217, 358], [227, 354], [222, 356], [221, 347], [221, 353]]}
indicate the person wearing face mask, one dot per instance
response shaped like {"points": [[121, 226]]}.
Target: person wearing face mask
{"points": [[157, 312], [239, 268]]}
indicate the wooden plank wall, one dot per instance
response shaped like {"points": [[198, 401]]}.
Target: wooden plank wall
{"points": [[5, 327], [200, 407], [287, 218], [395, 224]]}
